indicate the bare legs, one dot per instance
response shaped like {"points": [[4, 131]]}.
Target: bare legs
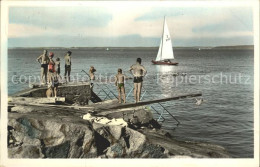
{"points": [[67, 71], [139, 86], [44, 75], [137, 91], [121, 90], [49, 92], [55, 91], [69, 74]]}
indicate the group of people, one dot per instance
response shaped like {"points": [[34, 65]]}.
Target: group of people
{"points": [[50, 75], [50, 71]]}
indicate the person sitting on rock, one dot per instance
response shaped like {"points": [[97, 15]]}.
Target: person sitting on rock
{"points": [[53, 84], [49, 92]]}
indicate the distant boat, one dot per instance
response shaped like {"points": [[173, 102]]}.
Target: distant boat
{"points": [[165, 52], [107, 49], [199, 48]]}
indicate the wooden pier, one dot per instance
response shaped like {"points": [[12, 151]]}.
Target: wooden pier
{"points": [[141, 103]]}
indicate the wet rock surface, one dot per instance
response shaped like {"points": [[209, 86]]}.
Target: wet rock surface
{"points": [[61, 132]]}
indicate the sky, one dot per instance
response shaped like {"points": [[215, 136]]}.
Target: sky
{"points": [[122, 25]]}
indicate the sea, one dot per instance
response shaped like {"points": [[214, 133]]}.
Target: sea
{"points": [[224, 76]]}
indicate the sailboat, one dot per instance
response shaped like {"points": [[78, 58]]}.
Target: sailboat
{"points": [[165, 52]]}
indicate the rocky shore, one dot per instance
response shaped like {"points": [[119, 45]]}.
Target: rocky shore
{"points": [[47, 130]]}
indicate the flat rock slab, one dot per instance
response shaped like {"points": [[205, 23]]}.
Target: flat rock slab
{"points": [[35, 100]]}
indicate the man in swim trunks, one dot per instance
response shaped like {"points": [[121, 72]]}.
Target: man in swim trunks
{"points": [[44, 60], [67, 65], [119, 82], [139, 72]]}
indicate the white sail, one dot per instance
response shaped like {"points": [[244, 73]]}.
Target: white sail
{"points": [[165, 51], [159, 54]]}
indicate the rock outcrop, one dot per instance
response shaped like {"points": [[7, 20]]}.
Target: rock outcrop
{"points": [[74, 93], [45, 136], [60, 132]]}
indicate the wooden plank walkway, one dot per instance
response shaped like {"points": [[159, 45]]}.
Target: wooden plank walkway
{"points": [[127, 105]]}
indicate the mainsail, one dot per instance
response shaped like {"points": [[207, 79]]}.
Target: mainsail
{"points": [[165, 51]]}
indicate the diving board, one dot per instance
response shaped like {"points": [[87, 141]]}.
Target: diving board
{"points": [[141, 103]]}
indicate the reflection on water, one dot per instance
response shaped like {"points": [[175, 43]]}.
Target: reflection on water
{"points": [[165, 69], [165, 79]]}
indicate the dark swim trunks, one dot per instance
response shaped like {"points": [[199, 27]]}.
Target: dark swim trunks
{"points": [[120, 85], [44, 65], [56, 83], [138, 79], [58, 70], [67, 66]]}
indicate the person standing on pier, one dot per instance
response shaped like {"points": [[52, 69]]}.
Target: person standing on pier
{"points": [[120, 83], [44, 61], [138, 72], [67, 65], [51, 65], [92, 70], [57, 65]]}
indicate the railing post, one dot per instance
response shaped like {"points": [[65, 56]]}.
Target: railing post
{"points": [[143, 95]]}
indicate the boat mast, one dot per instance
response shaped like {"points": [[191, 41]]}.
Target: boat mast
{"points": [[162, 37]]}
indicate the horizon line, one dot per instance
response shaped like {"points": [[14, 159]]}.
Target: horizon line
{"points": [[132, 46]]}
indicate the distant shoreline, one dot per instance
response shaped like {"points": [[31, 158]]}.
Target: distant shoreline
{"points": [[237, 47]]}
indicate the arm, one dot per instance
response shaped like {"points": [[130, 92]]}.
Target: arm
{"points": [[48, 60], [144, 71], [39, 58], [131, 70], [70, 60], [116, 80]]}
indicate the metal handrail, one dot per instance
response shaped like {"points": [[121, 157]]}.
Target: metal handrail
{"points": [[132, 88], [101, 88], [164, 109]]}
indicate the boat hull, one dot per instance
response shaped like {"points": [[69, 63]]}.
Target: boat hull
{"points": [[164, 63]]}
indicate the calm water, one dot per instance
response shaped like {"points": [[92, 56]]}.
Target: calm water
{"points": [[225, 78]]}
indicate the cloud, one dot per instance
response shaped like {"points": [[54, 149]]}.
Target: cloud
{"points": [[59, 17], [137, 23]]}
